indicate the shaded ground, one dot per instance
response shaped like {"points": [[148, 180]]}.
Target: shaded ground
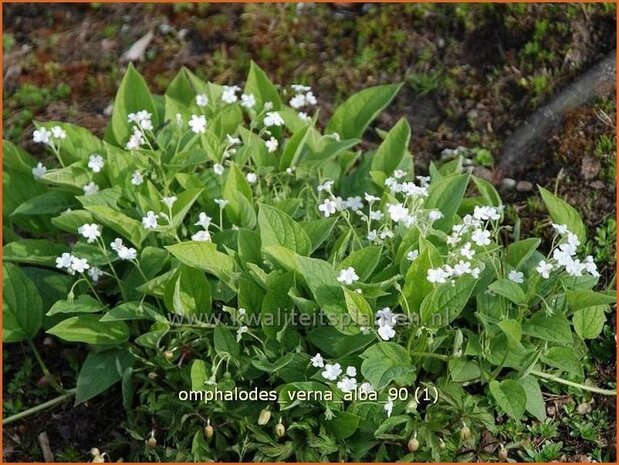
{"points": [[471, 74]]}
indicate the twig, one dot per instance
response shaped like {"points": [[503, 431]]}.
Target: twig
{"points": [[31, 411], [584, 387], [48, 455]]}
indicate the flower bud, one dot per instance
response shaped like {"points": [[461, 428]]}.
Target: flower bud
{"points": [[413, 444], [152, 375], [209, 431], [168, 355], [411, 407], [280, 429], [151, 442], [502, 454], [265, 416], [465, 433]]}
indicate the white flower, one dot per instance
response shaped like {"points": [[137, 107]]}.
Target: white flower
{"points": [[96, 162], [560, 228], [435, 215], [203, 220], [297, 101], [127, 253], [575, 268], [136, 140], [137, 178], [423, 180], [150, 220], [273, 118], [544, 268], [252, 178], [64, 261], [248, 101], [300, 88], [240, 332], [385, 317], [385, 233], [398, 212], [317, 361], [268, 105], [79, 265], [590, 266], [271, 144], [58, 133], [218, 168], [90, 232], [351, 371], [198, 124], [229, 94], [310, 99], [462, 268], [354, 203], [39, 170], [222, 203], [328, 207], [169, 201], [201, 100], [466, 251], [376, 215], [386, 332], [399, 174], [437, 275], [332, 372], [117, 244], [369, 198], [366, 388], [242, 312], [484, 213], [348, 276], [562, 257], [347, 384], [90, 188], [516, 276], [481, 237], [201, 236], [142, 118], [372, 235], [95, 273], [389, 407], [412, 255], [41, 136], [325, 186], [233, 140], [304, 116]]}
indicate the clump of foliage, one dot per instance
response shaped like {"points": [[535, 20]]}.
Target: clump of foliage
{"points": [[263, 290]]}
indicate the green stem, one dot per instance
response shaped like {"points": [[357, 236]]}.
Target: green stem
{"points": [[584, 387], [50, 378], [445, 358], [50, 403]]}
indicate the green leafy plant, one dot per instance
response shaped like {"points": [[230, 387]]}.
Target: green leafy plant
{"points": [[264, 291]]}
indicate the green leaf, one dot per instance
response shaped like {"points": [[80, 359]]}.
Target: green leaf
{"points": [[132, 311], [364, 261], [33, 251], [21, 305], [512, 330], [88, 329], [351, 118], [444, 304], [589, 322], [82, 304], [204, 256], [277, 228], [49, 203], [553, 328], [333, 343], [387, 362], [488, 192], [342, 425], [565, 359], [70, 220], [563, 213], [416, 285], [535, 401], [358, 308], [132, 96], [293, 148], [261, 87], [127, 227], [579, 299], [391, 151], [508, 289], [188, 293], [100, 371], [225, 343], [519, 252], [446, 195], [319, 230], [510, 396], [462, 370]]}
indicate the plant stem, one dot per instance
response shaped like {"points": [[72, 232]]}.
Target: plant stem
{"points": [[50, 378], [430, 355], [584, 387], [50, 403]]}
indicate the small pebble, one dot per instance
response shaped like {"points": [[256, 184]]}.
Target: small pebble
{"points": [[508, 184], [524, 186]]}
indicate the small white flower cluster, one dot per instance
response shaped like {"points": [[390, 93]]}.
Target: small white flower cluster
{"points": [[386, 320], [72, 263], [303, 97], [229, 94], [273, 118], [248, 101], [90, 188], [142, 121], [204, 221], [347, 379], [123, 252], [96, 162], [564, 255], [47, 137], [197, 123], [333, 203], [90, 231], [348, 276], [39, 170]]}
